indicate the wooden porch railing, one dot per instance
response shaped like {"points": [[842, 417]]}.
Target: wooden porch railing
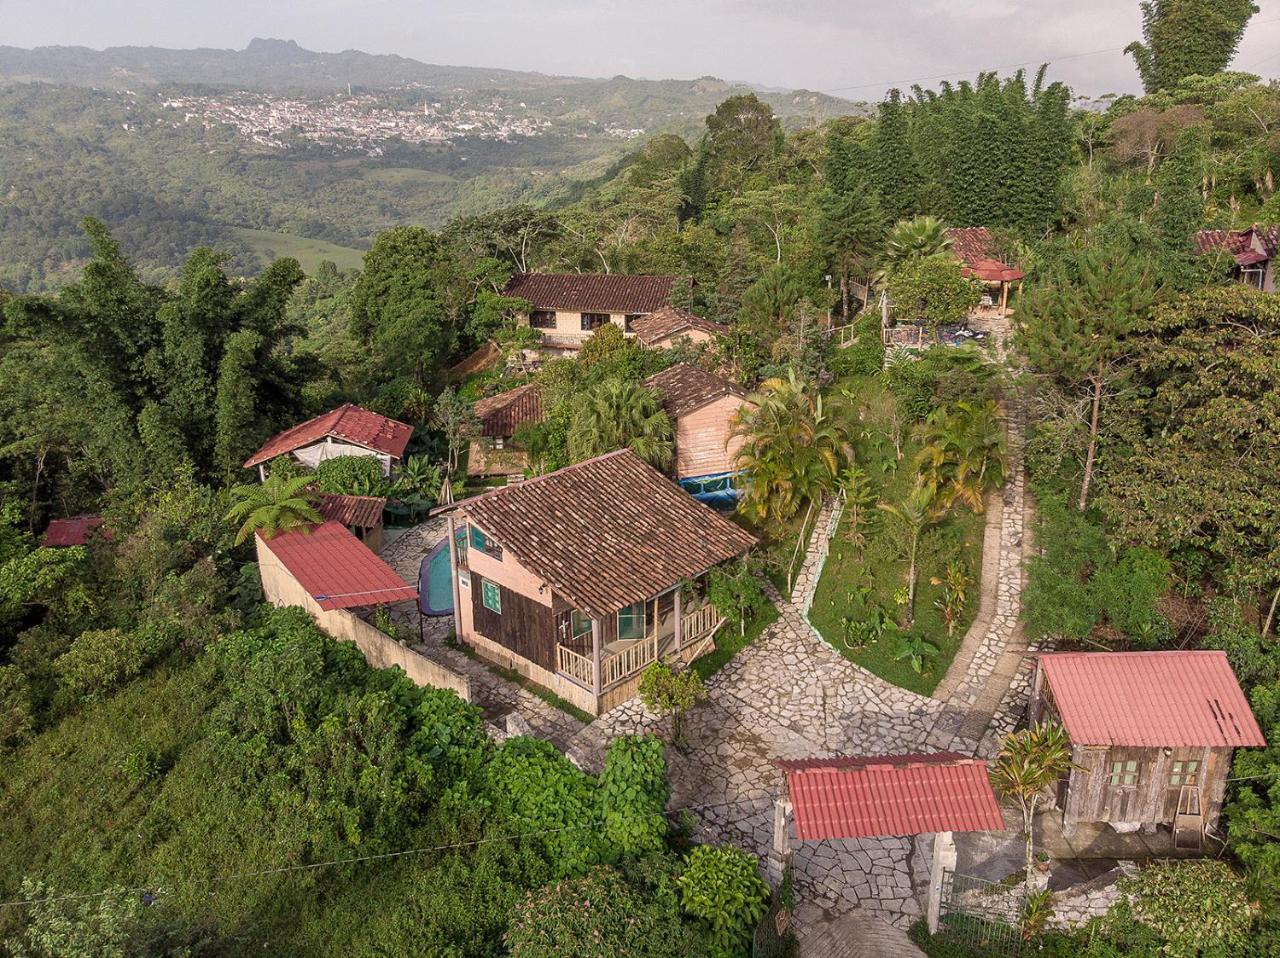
{"points": [[699, 622], [632, 659], [576, 667]]}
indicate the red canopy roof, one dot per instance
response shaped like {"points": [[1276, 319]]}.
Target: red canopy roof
{"points": [[1150, 699], [71, 532], [348, 422], [992, 271], [337, 569], [891, 795]]}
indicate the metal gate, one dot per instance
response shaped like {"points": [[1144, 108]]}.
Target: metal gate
{"points": [[982, 914]]}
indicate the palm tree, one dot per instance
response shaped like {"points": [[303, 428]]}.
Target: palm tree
{"points": [[794, 445], [277, 505], [1030, 762], [919, 237], [914, 514], [964, 453], [621, 415]]}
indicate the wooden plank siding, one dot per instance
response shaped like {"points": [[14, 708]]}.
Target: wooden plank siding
{"points": [[705, 444], [525, 626]]}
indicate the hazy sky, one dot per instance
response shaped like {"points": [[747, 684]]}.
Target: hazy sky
{"points": [[852, 47]]}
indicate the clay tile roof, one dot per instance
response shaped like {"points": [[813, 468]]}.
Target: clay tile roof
{"points": [[1246, 243], [606, 532], [893, 795], [361, 512], [1150, 699], [669, 321], [337, 569], [684, 388], [502, 414], [348, 422], [74, 531], [594, 292], [973, 245]]}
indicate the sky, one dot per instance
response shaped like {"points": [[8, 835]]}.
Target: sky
{"points": [[853, 48]]}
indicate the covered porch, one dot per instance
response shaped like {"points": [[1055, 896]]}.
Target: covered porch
{"points": [[601, 654]]}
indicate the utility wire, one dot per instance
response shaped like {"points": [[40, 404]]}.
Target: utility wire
{"points": [[972, 71]]}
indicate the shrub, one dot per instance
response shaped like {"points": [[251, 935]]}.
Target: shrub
{"points": [[16, 708], [597, 916], [101, 659], [719, 884], [101, 927], [634, 792], [351, 476], [1197, 907], [1127, 592], [668, 691]]}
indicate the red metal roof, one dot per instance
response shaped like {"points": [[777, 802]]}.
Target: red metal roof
{"points": [[1150, 699], [891, 795], [348, 422], [71, 532], [337, 569], [363, 512], [594, 292]]}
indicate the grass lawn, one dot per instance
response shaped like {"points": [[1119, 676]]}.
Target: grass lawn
{"points": [[730, 641], [881, 567], [309, 252], [778, 546]]}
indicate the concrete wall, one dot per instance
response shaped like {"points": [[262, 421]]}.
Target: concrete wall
{"points": [[690, 335], [379, 650], [705, 444]]}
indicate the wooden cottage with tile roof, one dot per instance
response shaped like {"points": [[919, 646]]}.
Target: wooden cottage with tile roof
{"points": [[669, 326], [1151, 734], [976, 249], [492, 453], [581, 578], [568, 307], [361, 514], [1252, 252], [703, 408], [349, 430]]}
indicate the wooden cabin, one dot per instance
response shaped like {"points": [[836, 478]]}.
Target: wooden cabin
{"points": [[1151, 736], [581, 578], [348, 430], [360, 514], [566, 308], [670, 326], [1252, 252], [703, 407], [492, 453]]}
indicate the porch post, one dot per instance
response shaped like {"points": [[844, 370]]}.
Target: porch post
{"points": [[1004, 298], [595, 658], [262, 473], [679, 624], [775, 864], [944, 860], [453, 583]]}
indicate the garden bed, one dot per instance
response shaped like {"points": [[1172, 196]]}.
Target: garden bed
{"points": [[880, 567]]}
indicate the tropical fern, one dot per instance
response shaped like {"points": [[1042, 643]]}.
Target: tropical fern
{"points": [[278, 505]]}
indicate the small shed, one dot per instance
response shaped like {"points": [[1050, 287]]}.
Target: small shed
{"points": [[73, 531], [492, 453], [669, 326], [361, 514], [1151, 736], [703, 407], [976, 249], [349, 430], [887, 796]]}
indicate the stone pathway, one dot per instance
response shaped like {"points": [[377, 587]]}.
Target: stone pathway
{"points": [[505, 704]]}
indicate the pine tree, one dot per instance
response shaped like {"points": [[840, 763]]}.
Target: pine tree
{"points": [[897, 177]]}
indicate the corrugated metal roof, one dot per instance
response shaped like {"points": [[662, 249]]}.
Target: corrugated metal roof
{"points": [[348, 422], [363, 512], [337, 569], [1150, 699], [594, 292], [891, 795], [74, 531]]}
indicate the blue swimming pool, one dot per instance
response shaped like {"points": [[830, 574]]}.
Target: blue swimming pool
{"points": [[435, 582]]}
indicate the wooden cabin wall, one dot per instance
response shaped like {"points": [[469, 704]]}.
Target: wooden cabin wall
{"points": [[525, 626], [1090, 797]]}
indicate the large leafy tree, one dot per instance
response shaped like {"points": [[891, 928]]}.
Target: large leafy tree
{"points": [[850, 224], [1183, 38], [1076, 329], [621, 415], [932, 291], [1196, 482], [742, 134], [795, 444]]}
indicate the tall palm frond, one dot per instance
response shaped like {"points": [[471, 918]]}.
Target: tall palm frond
{"points": [[277, 505], [619, 415]]}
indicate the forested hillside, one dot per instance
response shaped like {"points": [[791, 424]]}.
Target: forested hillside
{"points": [[185, 770]]}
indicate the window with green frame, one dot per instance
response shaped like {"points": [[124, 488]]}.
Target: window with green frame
{"points": [[631, 621], [579, 624], [491, 596], [482, 543], [1123, 774]]}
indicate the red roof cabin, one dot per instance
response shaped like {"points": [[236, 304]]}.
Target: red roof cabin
{"points": [[75, 531], [1151, 734], [348, 430], [976, 248], [492, 453], [568, 307], [1252, 252]]}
